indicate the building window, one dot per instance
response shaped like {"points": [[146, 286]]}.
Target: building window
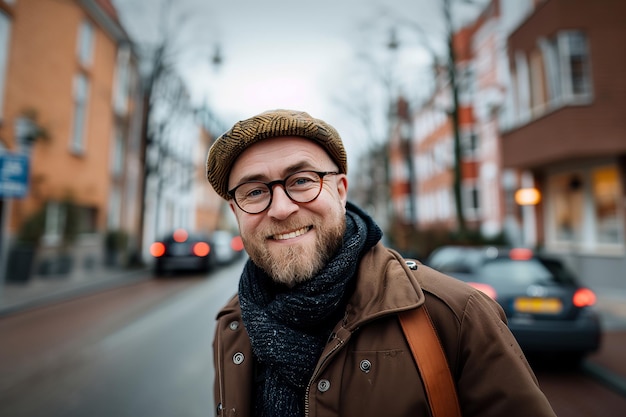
{"points": [[522, 76], [606, 199], [568, 203], [584, 210], [85, 43], [470, 143], [471, 200], [567, 68], [4, 52], [81, 94], [575, 69]]}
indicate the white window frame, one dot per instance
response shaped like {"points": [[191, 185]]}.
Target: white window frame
{"points": [[85, 43], [79, 126]]}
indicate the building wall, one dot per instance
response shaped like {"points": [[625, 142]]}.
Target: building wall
{"points": [[592, 128], [41, 69]]}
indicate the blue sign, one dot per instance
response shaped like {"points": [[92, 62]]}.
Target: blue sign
{"points": [[13, 175]]}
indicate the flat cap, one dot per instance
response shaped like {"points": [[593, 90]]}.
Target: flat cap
{"points": [[227, 148]]}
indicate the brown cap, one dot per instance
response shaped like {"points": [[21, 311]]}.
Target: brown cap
{"points": [[269, 124]]}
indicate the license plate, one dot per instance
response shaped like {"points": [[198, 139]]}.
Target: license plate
{"points": [[180, 249], [538, 305]]}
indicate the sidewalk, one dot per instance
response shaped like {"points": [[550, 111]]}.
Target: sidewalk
{"points": [[40, 291]]}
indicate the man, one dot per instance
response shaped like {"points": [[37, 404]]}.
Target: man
{"points": [[314, 329]]}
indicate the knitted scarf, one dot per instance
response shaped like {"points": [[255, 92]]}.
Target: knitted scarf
{"points": [[288, 327]]}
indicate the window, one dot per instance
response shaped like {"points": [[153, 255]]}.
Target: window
{"points": [[568, 203], [122, 80], [4, 52], [81, 94], [523, 87], [117, 162], [471, 200], [85, 43], [585, 211], [606, 199], [567, 68], [470, 144], [574, 58]]}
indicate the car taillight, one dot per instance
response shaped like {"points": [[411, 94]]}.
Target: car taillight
{"points": [[236, 243], [157, 249], [584, 297], [201, 249], [520, 254], [180, 235], [487, 289]]}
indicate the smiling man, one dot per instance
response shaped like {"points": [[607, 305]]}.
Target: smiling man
{"points": [[314, 329]]}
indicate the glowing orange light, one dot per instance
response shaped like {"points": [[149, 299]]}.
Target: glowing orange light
{"points": [[157, 249], [527, 196], [584, 297], [180, 235], [201, 249]]}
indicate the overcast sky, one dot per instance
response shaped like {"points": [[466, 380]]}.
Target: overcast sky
{"points": [[299, 55]]}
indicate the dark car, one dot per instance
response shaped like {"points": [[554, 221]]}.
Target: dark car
{"points": [[547, 309], [182, 251]]}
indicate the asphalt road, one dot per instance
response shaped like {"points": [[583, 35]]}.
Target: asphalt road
{"points": [[145, 350], [140, 350]]}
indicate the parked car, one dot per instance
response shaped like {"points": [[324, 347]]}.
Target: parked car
{"points": [[226, 246], [547, 309], [182, 250]]}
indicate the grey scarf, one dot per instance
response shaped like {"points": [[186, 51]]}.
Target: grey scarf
{"points": [[288, 328]]}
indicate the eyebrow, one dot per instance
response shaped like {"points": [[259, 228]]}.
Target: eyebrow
{"points": [[300, 166]]}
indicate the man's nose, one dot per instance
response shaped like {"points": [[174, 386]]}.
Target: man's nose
{"points": [[282, 206]]}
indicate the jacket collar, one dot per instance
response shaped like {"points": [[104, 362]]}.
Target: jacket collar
{"points": [[385, 285]]}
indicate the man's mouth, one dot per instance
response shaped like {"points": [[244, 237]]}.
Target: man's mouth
{"points": [[291, 235]]}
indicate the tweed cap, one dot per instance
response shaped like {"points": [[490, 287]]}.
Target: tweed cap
{"points": [[269, 124]]}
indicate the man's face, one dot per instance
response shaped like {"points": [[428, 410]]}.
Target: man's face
{"points": [[290, 241]]}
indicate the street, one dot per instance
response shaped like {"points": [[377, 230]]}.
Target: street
{"points": [[145, 350]]}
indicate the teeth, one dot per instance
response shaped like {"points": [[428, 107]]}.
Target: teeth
{"points": [[291, 235]]}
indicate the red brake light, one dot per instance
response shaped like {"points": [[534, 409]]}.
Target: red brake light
{"points": [[520, 254], [180, 235], [487, 289], [584, 297], [237, 243], [157, 249], [201, 249]]}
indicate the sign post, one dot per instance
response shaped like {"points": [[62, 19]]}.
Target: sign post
{"points": [[14, 170]]}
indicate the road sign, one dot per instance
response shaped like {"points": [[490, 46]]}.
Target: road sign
{"points": [[13, 175]]}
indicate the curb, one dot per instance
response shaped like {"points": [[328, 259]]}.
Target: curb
{"points": [[610, 379]]}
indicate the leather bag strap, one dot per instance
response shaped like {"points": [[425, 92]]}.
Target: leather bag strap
{"points": [[431, 361]]}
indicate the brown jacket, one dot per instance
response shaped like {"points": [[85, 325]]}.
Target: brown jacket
{"points": [[367, 369]]}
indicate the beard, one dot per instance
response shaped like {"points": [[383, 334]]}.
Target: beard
{"points": [[297, 263]]}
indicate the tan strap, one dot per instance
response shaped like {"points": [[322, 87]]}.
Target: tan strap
{"points": [[431, 361]]}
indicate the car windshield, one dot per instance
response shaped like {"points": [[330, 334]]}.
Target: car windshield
{"points": [[523, 272]]}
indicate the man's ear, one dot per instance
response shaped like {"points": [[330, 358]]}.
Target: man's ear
{"points": [[342, 188]]}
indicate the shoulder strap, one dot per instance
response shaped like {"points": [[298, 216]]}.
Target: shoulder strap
{"points": [[431, 361]]}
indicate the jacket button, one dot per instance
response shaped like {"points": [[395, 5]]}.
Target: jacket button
{"points": [[412, 265], [365, 365], [238, 358], [234, 325], [323, 385]]}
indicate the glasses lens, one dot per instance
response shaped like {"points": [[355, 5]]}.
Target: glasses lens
{"points": [[303, 186], [252, 197]]}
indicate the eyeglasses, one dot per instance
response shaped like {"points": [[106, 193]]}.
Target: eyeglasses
{"points": [[254, 197]]}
